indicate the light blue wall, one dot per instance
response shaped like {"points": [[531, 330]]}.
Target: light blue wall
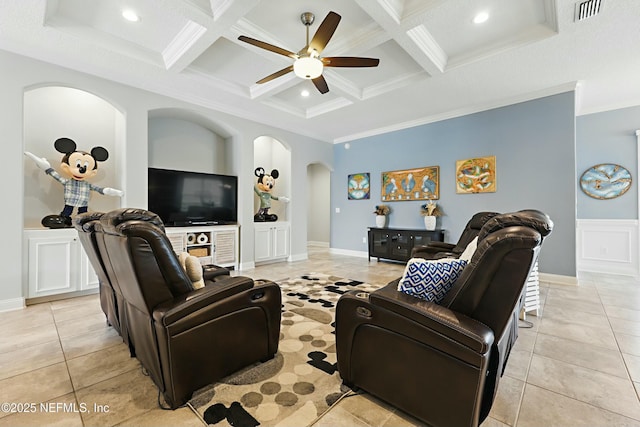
{"points": [[534, 145], [608, 137]]}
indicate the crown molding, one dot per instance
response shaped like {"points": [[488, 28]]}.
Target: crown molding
{"points": [[460, 112]]}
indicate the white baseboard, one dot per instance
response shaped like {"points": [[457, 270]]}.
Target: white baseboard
{"points": [[250, 265], [558, 279], [298, 257], [12, 304], [348, 252], [318, 244]]}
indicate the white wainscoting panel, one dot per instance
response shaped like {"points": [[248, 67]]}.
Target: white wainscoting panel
{"points": [[608, 246]]}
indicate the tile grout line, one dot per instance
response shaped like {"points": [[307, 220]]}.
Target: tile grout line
{"points": [[615, 337], [66, 365], [533, 349]]}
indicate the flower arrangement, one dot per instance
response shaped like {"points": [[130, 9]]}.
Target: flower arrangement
{"points": [[430, 209], [382, 210]]}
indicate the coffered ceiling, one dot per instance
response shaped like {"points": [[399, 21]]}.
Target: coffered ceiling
{"points": [[435, 62]]}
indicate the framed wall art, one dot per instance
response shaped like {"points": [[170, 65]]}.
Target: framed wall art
{"points": [[477, 175], [411, 184], [358, 186], [605, 181]]}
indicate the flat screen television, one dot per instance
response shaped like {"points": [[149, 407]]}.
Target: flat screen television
{"points": [[182, 198]]}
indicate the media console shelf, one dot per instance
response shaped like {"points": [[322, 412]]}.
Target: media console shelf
{"points": [[216, 244], [396, 244]]}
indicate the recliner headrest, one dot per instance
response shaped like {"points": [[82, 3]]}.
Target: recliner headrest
{"points": [[112, 219], [86, 221], [479, 219], [533, 218]]}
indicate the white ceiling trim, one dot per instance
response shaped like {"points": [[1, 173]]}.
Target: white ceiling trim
{"points": [[326, 107], [393, 84], [393, 8], [336, 81], [285, 106], [245, 27], [428, 46], [182, 42], [261, 91], [201, 8], [207, 79]]}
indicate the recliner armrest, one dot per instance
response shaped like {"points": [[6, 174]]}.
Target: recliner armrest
{"points": [[458, 327], [213, 272], [441, 245], [187, 303], [433, 248]]}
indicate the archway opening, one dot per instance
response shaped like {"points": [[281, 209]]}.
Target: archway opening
{"points": [[53, 112], [318, 205]]}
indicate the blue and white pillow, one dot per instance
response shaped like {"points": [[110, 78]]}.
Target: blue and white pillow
{"points": [[430, 279]]}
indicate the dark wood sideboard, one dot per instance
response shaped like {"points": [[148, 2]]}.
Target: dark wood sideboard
{"points": [[396, 244]]}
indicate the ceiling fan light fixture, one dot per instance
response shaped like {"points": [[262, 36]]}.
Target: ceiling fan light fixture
{"points": [[307, 67]]}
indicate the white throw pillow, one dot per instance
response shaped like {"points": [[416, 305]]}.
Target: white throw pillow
{"points": [[469, 250], [430, 279]]}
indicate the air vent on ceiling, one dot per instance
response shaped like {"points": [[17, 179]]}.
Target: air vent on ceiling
{"points": [[587, 9]]}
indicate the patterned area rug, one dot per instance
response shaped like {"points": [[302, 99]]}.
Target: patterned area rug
{"points": [[301, 382]]}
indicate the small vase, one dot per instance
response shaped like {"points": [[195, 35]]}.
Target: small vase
{"points": [[381, 221], [430, 222]]}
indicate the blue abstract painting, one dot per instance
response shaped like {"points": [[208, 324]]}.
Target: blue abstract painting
{"points": [[358, 186], [605, 181]]}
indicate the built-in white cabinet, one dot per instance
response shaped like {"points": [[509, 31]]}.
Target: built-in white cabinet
{"points": [[56, 263], [211, 244], [271, 241]]}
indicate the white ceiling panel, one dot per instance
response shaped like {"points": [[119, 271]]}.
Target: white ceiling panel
{"points": [[228, 61], [510, 23], [155, 30], [428, 49]]}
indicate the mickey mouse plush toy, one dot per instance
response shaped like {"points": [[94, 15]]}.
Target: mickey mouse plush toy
{"points": [[79, 166], [263, 189]]}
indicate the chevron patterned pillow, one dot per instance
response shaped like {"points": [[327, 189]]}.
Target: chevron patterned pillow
{"points": [[430, 279]]}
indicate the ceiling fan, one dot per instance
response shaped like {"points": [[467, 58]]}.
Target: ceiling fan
{"points": [[308, 64]]}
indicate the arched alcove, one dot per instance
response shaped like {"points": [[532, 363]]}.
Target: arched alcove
{"points": [[52, 112], [183, 140], [270, 153]]}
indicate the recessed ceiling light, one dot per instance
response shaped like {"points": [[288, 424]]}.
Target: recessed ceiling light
{"points": [[130, 15], [480, 18], [304, 93]]}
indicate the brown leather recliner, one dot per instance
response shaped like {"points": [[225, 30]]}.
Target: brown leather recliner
{"points": [[85, 225], [437, 250], [184, 338], [441, 363]]}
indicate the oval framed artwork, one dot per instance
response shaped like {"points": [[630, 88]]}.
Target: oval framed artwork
{"points": [[605, 181]]}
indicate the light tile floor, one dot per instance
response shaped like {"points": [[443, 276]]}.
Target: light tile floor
{"points": [[579, 365]]}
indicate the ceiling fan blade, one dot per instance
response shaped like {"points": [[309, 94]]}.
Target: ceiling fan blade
{"points": [[267, 46], [324, 32], [276, 75], [349, 61], [321, 84]]}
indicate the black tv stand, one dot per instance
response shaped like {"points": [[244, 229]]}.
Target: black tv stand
{"points": [[397, 244]]}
